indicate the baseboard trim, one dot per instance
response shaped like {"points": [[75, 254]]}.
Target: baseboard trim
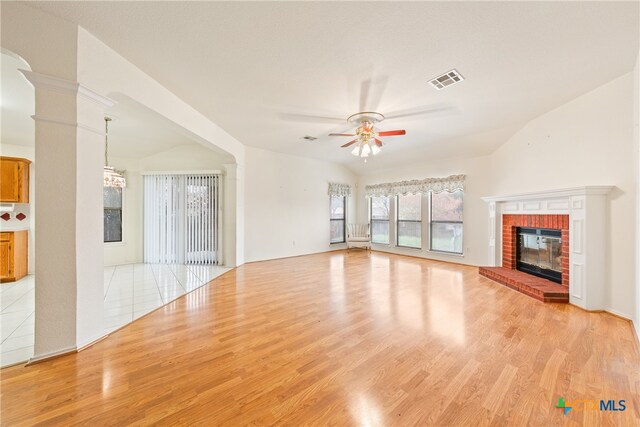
{"points": [[612, 312], [90, 343], [51, 355], [618, 314], [447, 261], [296, 256], [635, 330]]}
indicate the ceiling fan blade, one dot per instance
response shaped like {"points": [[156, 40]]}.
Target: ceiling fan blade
{"points": [[349, 143], [378, 142], [342, 134], [308, 118], [392, 132], [371, 91], [365, 87], [419, 111]]}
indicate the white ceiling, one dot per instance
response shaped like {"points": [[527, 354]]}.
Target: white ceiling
{"points": [[17, 103], [255, 67], [135, 132]]}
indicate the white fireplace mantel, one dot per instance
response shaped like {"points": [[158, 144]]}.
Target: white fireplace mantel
{"points": [[587, 210], [553, 194]]}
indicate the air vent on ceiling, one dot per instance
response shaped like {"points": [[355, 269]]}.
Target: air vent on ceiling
{"points": [[447, 79], [309, 138]]}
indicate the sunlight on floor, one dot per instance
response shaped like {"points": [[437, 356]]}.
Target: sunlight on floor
{"points": [[130, 291]]}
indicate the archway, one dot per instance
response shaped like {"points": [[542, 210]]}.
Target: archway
{"points": [[164, 231], [17, 216]]}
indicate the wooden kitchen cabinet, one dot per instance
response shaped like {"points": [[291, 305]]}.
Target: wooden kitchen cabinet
{"points": [[14, 258], [14, 180]]}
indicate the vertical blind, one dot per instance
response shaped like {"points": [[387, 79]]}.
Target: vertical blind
{"points": [[181, 219]]}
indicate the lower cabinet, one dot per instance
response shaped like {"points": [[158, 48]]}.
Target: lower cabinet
{"points": [[13, 255]]}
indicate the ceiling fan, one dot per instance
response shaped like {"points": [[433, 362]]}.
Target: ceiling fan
{"points": [[367, 139]]}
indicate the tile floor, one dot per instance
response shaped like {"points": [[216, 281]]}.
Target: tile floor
{"points": [[130, 291]]}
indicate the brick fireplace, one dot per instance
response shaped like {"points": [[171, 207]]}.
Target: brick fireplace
{"points": [[528, 283], [510, 223], [564, 230]]}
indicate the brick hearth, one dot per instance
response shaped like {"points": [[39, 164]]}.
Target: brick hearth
{"points": [[536, 287]]}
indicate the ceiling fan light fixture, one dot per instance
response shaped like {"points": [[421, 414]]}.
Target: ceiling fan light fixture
{"points": [[367, 140]]}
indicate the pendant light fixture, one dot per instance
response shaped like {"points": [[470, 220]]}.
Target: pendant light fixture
{"points": [[112, 178]]}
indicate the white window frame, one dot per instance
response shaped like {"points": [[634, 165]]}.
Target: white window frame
{"points": [[344, 221], [397, 220], [425, 215], [460, 254], [389, 220]]}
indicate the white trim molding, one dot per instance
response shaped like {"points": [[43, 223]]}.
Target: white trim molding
{"points": [[43, 81], [587, 209], [553, 194], [68, 123], [52, 354]]}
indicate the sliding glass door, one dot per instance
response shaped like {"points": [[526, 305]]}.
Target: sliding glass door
{"points": [[181, 219]]}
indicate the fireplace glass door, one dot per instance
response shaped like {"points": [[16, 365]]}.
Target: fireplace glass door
{"points": [[539, 252]]}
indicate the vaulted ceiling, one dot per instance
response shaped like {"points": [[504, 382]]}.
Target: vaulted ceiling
{"points": [[258, 69]]}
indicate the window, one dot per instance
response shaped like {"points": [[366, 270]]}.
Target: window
{"points": [[380, 220], [409, 229], [337, 219], [112, 198], [446, 222]]}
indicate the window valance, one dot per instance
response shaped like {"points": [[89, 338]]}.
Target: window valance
{"points": [[339, 189], [437, 185]]}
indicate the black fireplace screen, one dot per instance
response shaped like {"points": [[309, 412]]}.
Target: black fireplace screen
{"points": [[539, 252]]}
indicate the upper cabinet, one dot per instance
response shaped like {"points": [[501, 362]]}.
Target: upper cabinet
{"points": [[14, 180]]}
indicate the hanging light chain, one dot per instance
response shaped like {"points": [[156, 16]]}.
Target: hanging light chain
{"points": [[106, 140]]}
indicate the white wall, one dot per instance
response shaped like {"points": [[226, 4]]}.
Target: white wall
{"points": [[47, 43], [287, 206], [182, 158], [185, 157], [9, 150], [588, 141]]}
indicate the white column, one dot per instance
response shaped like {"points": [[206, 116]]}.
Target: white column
{"points": [[588, 263], [493, 235], [69, 123]]}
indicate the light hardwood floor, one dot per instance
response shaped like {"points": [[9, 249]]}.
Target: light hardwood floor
{"points": [[341, 339]]}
